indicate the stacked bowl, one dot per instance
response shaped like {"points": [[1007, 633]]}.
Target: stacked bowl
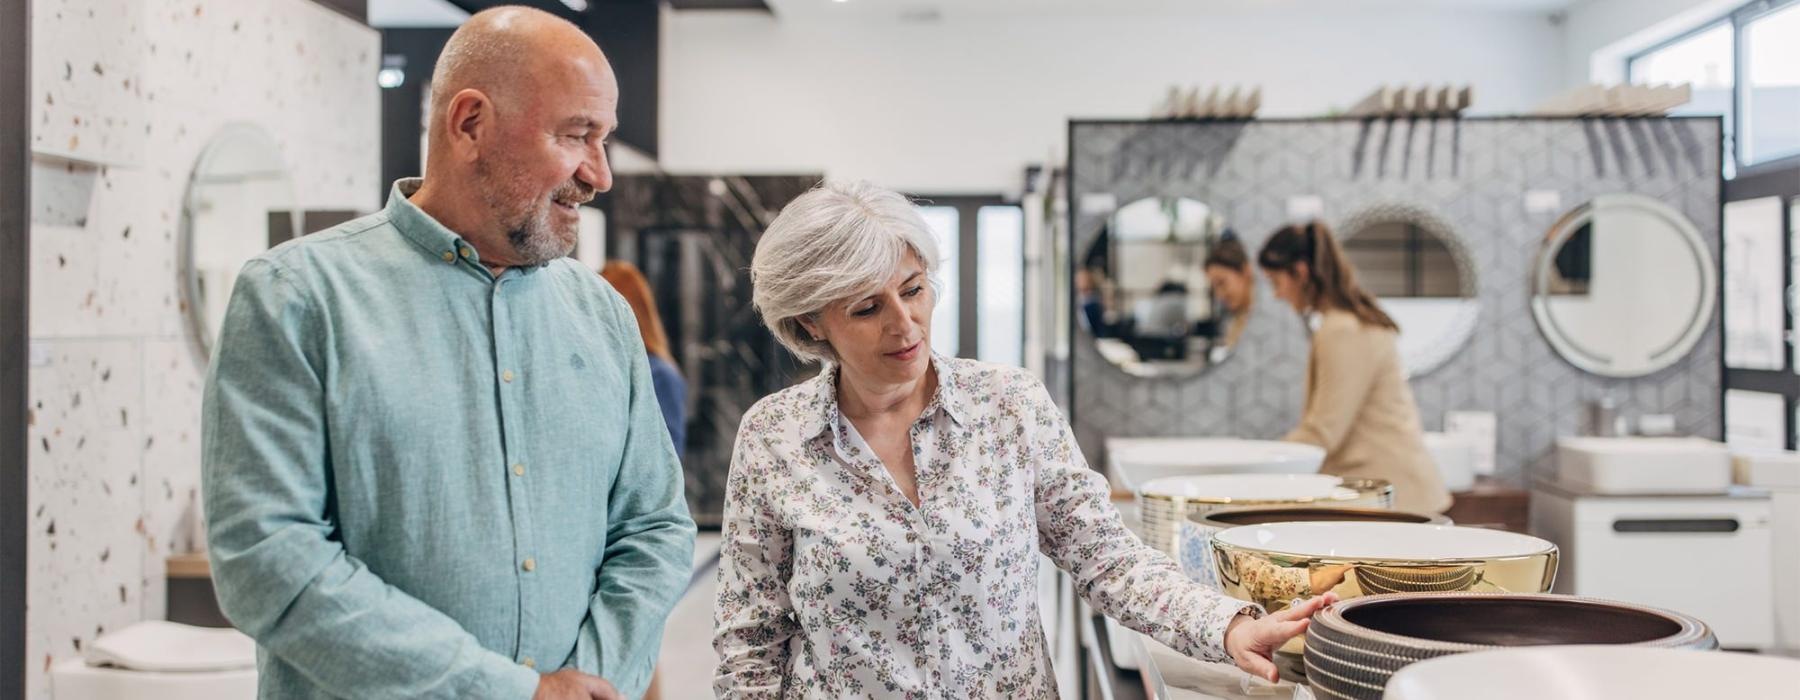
{"points": [[1355, 647]]}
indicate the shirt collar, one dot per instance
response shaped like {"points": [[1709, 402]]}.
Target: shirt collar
{"points": [[951, 396], [441, 243]]}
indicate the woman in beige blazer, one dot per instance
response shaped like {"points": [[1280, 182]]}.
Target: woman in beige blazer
{"points": [[1358, 405]]}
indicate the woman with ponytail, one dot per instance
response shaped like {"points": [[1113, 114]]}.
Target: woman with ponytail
{"points": [[1358, 405]]}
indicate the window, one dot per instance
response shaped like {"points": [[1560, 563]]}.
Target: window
{"points": [[980, 310], [1770, 111], [1000, 231], [1744, 67], [946, 315], [1703, 59]]}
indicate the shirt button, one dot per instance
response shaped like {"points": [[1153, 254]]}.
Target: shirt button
{"points": [[530, 564], [910, 537], [465, 252], [528, 663], [506, 376], [449, 257], [519, 469]]}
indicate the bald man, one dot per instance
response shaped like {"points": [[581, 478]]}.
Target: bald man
{"points": [[434, 462]]}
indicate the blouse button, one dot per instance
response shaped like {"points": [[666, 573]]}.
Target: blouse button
{"points": [[911, 537]]}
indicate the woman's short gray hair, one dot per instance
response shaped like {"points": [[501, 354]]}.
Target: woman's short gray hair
{"points": [[837, 241]]}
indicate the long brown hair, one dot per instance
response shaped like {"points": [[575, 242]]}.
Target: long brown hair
{"points": [[1330, 279], [631, 284]]}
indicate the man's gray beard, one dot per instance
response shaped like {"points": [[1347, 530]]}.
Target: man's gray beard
{"points": [[536, 243]]}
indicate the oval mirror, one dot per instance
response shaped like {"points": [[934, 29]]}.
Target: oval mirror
{"points": [[1623, 286], [1165, 289], [240, 202], [1421, 274]]}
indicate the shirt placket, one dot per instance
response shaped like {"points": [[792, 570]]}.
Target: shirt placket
{"points": [[509, 378], [922, 433]]}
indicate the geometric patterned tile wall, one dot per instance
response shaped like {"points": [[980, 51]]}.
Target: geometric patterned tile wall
{"points": [[1471, 173]]}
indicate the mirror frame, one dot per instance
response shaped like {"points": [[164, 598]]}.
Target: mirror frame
{"points": [[190, 278], [1464, 329], [1668, 356]]}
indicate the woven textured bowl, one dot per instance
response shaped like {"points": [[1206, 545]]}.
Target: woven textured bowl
{"points": [[1355, 646], [1164, 504], [1195, 547]]}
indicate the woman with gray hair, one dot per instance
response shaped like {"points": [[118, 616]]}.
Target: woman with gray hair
{"points": [[883, 520]]}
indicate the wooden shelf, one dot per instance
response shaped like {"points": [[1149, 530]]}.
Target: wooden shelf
{"points": [[190, 566]]}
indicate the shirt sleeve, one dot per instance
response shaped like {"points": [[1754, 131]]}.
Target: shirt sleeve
{"points": [[281, 576], [1117, 573], [753, 617], [649, 557], [1341, 382]]}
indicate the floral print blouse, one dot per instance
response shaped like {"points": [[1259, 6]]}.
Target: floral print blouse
{"points": [[833, 585]]}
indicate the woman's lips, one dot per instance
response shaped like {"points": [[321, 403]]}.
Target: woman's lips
{"points": [[908, 353]]}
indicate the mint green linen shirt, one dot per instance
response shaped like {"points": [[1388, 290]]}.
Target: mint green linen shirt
{"points": [[423, 481]]}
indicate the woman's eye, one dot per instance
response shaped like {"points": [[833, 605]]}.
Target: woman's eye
{"points": [[914, 291], [865, 311]]}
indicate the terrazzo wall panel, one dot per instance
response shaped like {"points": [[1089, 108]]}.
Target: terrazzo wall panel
{"points": [[126, 94], [1474, 174]]}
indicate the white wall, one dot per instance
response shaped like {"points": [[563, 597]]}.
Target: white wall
{"points": [[1601, 33], [962, 105]]}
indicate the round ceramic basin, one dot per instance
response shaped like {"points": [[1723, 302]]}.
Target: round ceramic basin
{"points": [[1275, 563], [1195, 546], [1592, 673]]}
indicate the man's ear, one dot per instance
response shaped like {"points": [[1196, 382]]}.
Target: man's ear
{"points": [[468, 121]]}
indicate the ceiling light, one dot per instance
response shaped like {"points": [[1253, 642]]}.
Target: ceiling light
{"points": [[576, 5], [393, 71]]}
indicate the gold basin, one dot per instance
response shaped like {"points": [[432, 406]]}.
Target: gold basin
{"points": [[1275, 564]]}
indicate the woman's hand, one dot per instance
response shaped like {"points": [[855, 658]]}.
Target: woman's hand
{"points": [[1251, 642]]}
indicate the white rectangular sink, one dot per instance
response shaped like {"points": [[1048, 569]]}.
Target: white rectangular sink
{"points": [[1643, 465], [1455, 458]]}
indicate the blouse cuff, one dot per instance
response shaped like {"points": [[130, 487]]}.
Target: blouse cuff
{"points": [[1220, 616]]}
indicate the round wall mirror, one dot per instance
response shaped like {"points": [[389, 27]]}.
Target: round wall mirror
{"points": [[1419, 271], [1165, 289], [1624, 286], [240, 202]]}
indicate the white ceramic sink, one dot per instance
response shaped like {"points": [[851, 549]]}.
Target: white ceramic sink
{"points": [[1643, 465], [1136, 461], [1594, 673], [1455, 458]]}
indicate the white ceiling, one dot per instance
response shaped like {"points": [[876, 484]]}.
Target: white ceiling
{"points": [[827, 9]]}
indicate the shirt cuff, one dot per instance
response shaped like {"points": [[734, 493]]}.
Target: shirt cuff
{"points": [[516, 682], [1219, 618]]}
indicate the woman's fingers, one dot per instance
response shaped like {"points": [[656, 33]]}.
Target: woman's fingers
{"points": [[1305, 609], [1278, 633], [1257, 665]]}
